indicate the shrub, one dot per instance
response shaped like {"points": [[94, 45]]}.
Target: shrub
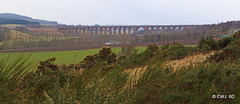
{"points": [[89, 61], [218, 56], [44, 79], [104, 53], [140, 59], [205, 48], [105, 57], [207, 44], [231, 51], [165, 46], [222, 43], [177, 51], [137, 59], [151, 50], [127, 51]]}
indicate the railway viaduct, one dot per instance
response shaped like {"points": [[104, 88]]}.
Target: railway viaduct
{"points": [[125, 30]]}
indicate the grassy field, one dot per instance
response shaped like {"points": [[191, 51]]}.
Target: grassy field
{"points": [[67, 57]]}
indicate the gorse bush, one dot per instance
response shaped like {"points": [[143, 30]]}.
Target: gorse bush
{"points": [[176, 51], [89, 61], [207, 44], [127, 51], [222, 43], [106, 54], [139, 59], [105, 57], [231, 51], [165, 46], [151, 50], [44, 79]]}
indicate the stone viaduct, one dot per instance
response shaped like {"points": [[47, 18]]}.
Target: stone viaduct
{"points": [[125, 30]]}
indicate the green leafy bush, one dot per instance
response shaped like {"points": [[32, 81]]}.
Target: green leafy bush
{"points": [[222, 43], [232, 51], [207, 44], [105, 57], [127, 51], [139, 59], [89, 61], [151, 50], [177, 51]]}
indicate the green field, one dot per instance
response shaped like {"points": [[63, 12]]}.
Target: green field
{"points": [[66, 57]]}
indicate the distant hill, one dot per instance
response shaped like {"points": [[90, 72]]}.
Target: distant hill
{"points": [[20, 17], [4, 21]]}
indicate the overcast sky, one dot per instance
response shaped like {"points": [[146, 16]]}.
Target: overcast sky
{"points": [[126, 12]]}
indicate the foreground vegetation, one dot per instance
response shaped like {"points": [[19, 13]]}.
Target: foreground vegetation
{"points": [[128, 76]]}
